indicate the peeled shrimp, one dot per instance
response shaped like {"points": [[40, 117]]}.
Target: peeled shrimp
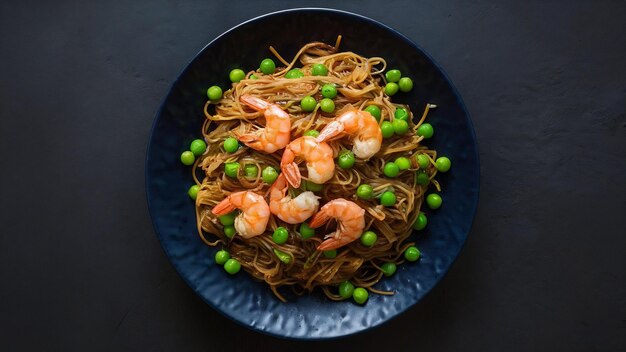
{"points": [[361, 126], [275, 135], [292, 211], [350, 222], [318, 156], [255, 213]]}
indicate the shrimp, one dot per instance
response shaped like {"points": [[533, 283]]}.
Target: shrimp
{"points": [[275, 135], [255, 213], [350, 222], [292, 211], [319, 160], [360, 125]]}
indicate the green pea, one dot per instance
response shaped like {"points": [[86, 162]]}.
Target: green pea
{"points": [[187, 158], [312, 186], [294, 73], [193, 191], [231, 169], [434, 201], [267, 66], [280, 235], [391, 88], [400, 127], [388, 199], [368, 238], [426, 130], [221, 257], [423, 161], [306, 231], [393, 75], [346, 289], [319, 70], [365, 192], [250, 170], [231, 145], [386, 128], [374, 111], [269, 175], [329, 91], [405, 84], [412, 254], [401, 113], [330, 253], [253, 76], [421, 222], [327, 105], [346, 159], [197, 147], [443, 164], [403, 163], [360, 295], [391, 169], [228, 219], [229, 231], [422, 178], [311, 133], [282, 256], [214, 93], [308, 103], [236, 75], [389, 268], [232, 266]]}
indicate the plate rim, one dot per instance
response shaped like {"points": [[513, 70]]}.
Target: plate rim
{"points": [[455, 92]]}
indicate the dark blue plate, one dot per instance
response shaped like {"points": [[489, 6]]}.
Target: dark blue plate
{"points": [[180, 118]]}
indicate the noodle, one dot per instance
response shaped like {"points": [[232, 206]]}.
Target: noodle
{"points": [[359, 83]]}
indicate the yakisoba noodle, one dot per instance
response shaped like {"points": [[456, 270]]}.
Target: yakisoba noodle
{"points": [[359, 82]]}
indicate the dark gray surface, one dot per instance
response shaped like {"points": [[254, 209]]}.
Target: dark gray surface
{"points": [[543, 268]]}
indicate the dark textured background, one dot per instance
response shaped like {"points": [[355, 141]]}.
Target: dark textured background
{"points": [[544, 266]]}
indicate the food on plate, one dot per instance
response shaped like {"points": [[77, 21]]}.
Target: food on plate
{"points": [[309, 176]]}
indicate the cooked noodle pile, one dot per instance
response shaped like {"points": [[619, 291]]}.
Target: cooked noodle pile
{"points": [[359, 83]]}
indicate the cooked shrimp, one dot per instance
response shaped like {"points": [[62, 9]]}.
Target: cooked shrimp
{"points": [[254, 216], [292, 211], [318, 156], [276, 133], [350, 222], [358, 124]]}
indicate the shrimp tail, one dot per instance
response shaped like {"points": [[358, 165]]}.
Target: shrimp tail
{"points": [[319, 219], [252, 140], [292, 173], [223, 207], [254, 102], [331, 131], [332, 243], [248, 138], [279, 185]]}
